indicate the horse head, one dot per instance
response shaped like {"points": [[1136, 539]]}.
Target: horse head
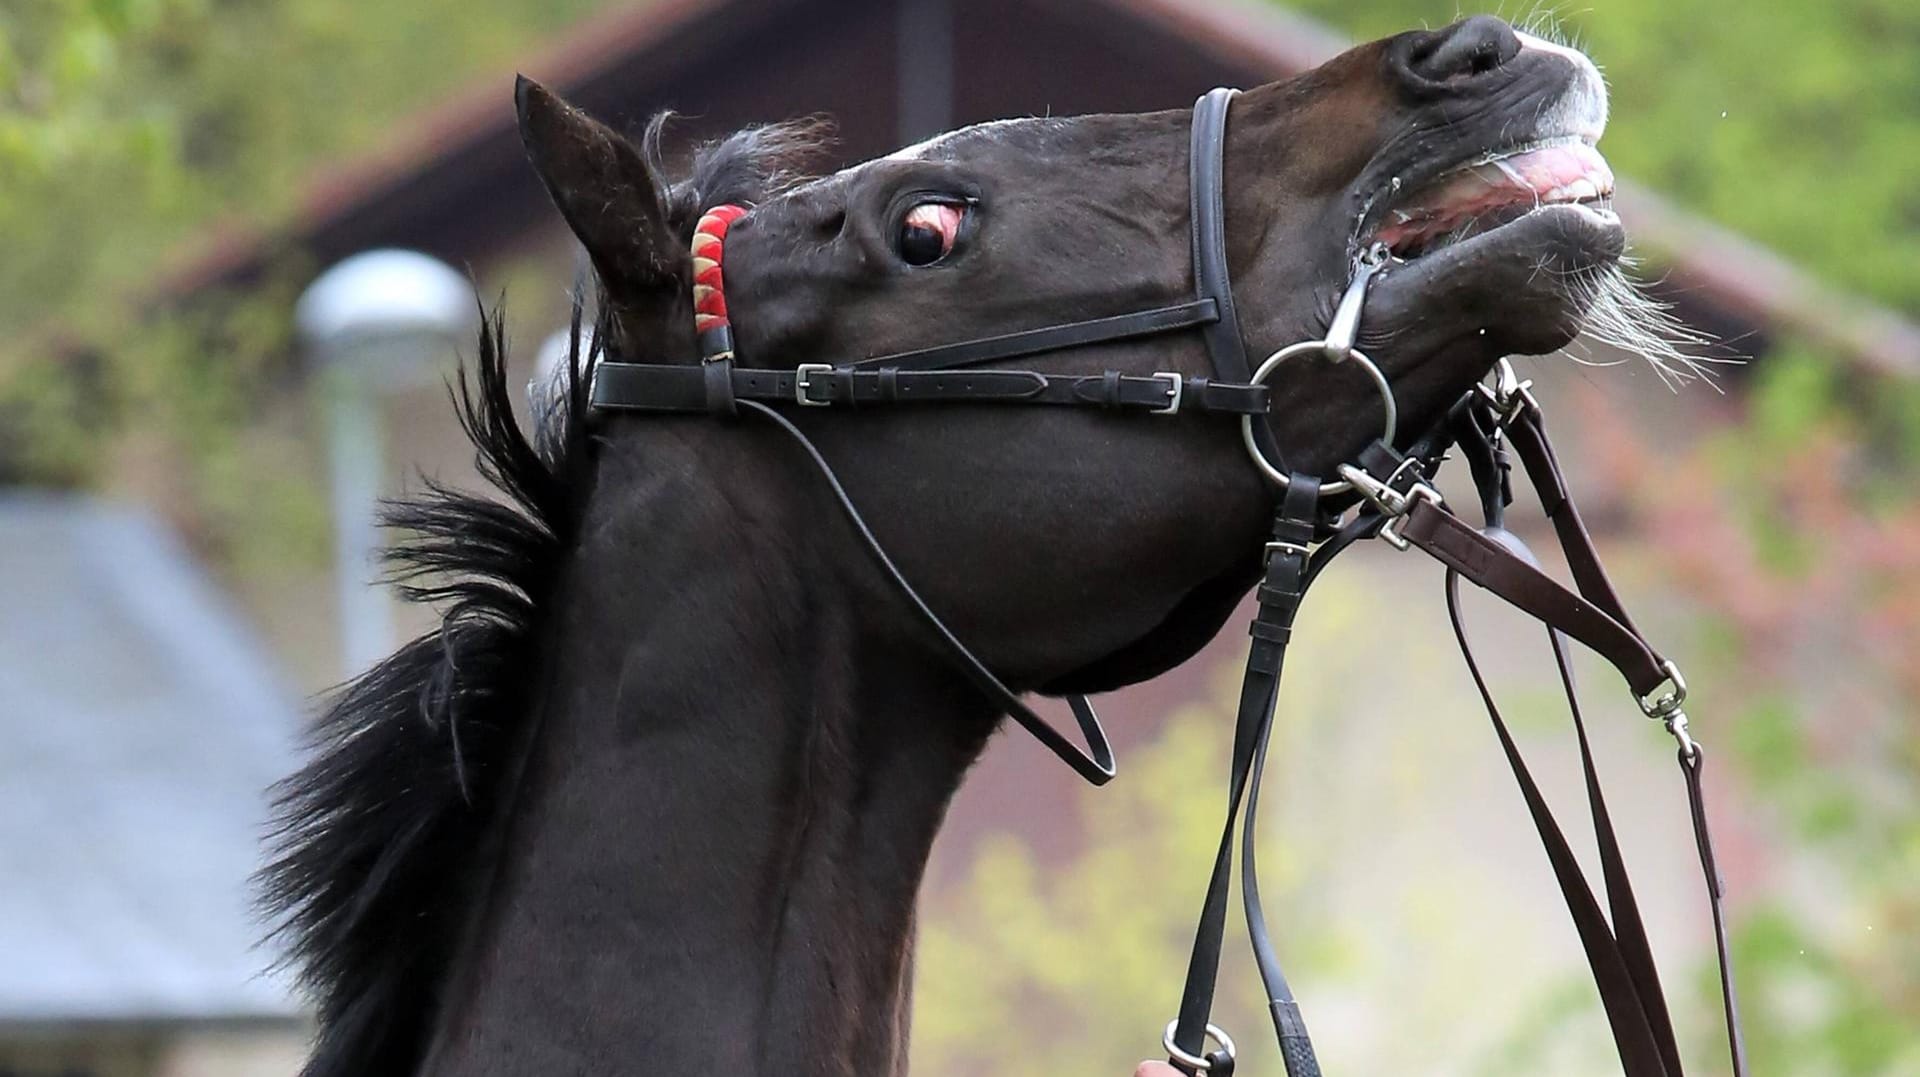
{"points": [[1074, 551], [684, 751]]}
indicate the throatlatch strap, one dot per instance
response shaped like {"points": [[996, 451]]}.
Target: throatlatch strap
{"points": [[1094, 762]]}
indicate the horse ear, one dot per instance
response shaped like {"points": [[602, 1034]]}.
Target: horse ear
{"points": [[610, 198]]}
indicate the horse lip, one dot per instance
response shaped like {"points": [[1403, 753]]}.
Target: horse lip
{"points": [[1572, 111], [1481, 281], [1386, 195]]}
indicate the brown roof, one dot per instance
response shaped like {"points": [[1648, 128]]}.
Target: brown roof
{"points": [[470, 140]]}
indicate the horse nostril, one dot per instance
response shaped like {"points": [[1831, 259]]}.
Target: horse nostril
{"points": [[1468, 48]]}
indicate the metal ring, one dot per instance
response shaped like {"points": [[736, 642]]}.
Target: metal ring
{"points": [[1219, 1035], [1318, 347]]}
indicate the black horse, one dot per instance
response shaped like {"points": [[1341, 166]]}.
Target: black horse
{"points": [[658, 794]]}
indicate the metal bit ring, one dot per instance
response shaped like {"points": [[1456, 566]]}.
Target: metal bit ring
{"points": [[1353, 357]]}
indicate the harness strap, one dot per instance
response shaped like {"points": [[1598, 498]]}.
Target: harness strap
{"points": [[1093, 762], [1692, 765], [1619, 954], [650, 387], [1290, 569], [1465, 550], [1140, 323], [1207, 210]]}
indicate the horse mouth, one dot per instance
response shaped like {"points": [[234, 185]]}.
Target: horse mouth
{"points": [[1504, 250], [1497, 191]]}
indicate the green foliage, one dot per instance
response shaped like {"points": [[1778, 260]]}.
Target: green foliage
{"points": [[128, 130], [1793, 123], [127, 125]]}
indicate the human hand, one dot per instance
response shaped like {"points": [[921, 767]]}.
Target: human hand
{"points": [[1155, 1069]]}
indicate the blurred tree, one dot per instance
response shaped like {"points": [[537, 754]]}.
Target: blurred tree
{"points": [[127, 128], [126, 125]]}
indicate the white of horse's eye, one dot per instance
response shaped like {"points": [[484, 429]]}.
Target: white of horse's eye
{"points": [[928, 230]]}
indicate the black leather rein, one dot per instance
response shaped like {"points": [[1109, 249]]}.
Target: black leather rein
{"points": [[1399, 506]]}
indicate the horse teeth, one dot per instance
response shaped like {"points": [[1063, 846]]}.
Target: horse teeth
{"points": [[1582, 189], [1558, 194]]}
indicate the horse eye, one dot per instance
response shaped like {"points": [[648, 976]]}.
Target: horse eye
{"points": [[928, 230]]}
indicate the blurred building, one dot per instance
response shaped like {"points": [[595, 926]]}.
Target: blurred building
{"points": [[142, 724]]}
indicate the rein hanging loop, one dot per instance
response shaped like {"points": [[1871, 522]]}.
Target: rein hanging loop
{"points": [[1212, 1062]]}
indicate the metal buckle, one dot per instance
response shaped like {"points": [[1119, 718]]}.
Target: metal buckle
{"points": [[1662, 705], [1509, 394], [801, 383], [1278, 546], [1421, 492], [1391, 502], [1676, 724], [1199, 1063], [1176, 386]]}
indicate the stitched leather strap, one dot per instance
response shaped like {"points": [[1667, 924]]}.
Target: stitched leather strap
{"points": [[1143, 323], [1473, 555], [1618, 956], [662, 388], [1618, 953], [1289, 571], [1207, 209]]}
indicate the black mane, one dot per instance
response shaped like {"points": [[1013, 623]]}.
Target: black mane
{"points": [[380, 842]]}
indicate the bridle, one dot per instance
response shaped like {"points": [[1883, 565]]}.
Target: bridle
{"points": [[1487, 426]]}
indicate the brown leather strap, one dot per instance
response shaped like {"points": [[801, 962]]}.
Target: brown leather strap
{"points": [[1460, 547], [1620, 956], [1622, 968], [1527, 433], [1691, 764]]}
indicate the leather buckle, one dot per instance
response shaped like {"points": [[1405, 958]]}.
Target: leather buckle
{"points": [[1198, 1063], [1392, 502], [1420, 492], [1509, 394], [1176, 386], [803, 384], [1278, 546]]}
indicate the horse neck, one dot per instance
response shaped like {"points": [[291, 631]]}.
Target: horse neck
{"points": [[713, 854]]}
